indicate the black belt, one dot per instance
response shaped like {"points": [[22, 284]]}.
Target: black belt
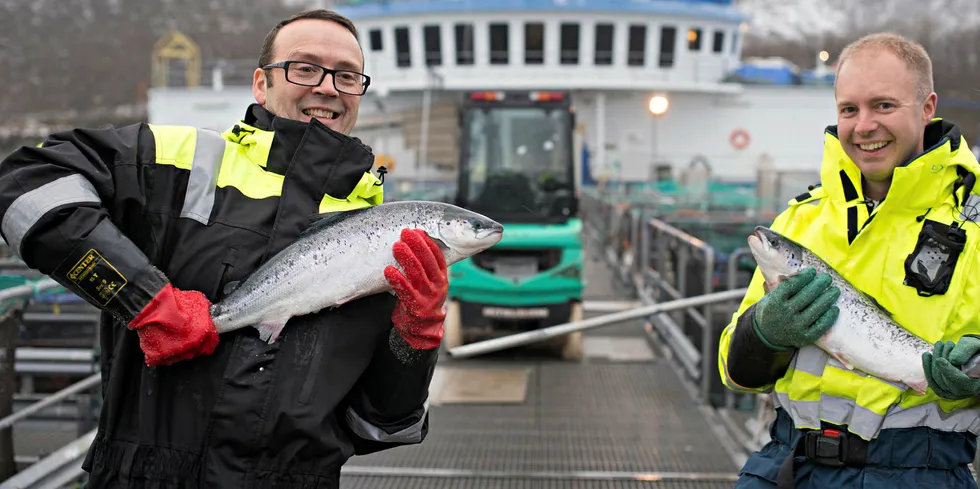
{"points": [[833, 448]]}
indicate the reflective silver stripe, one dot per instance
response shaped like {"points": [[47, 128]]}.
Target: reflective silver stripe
{"points": [[776, 401], [30, 207], [808, 414], [368, 431], [811, 360], [209, 150], [930, 414], [867, 424], [805, 414], [859, 420]]}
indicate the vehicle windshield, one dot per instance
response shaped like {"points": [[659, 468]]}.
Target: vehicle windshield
{"points": [[518, 163]]}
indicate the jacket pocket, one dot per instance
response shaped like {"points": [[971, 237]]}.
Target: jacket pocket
{"points": [[306, 391]]}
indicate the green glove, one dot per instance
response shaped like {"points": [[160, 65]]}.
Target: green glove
{"points": [[798, 311], [943, 372]]}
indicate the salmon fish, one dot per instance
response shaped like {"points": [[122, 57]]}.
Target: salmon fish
{"points": [[865, 336], [342, 257]]}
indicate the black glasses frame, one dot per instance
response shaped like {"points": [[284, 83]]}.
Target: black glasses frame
{"points": [[326, 71]]}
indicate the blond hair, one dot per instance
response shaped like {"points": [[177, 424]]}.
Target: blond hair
{"points": [[910, 52]]}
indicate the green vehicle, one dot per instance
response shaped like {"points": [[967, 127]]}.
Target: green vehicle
{"points": [[517, 166]]}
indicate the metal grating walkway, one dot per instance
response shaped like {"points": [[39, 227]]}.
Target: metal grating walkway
{"points": [[620, 417], [589, 424], [367, 482]]}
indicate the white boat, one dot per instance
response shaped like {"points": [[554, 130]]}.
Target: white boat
{"points": [[658, 87]]}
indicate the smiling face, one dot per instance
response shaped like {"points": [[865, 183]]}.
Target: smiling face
{"points": [[881, 113], [325, 43]]}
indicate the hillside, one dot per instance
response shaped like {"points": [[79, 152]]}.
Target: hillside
{"points": [[808, 20], [80, 54], [67, 59]]}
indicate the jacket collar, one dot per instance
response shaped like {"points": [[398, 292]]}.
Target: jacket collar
{"points": [[259, 117], [308, 151], [924, 182], [277, 137]]}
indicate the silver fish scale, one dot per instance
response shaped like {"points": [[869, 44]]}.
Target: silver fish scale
{"points": [[328, 266], [865, 337]]}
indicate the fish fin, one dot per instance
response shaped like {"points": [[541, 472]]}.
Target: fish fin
{"points": [[877, 304], [324, 219], [790, 275], [919, 386], [269, 330], [230, 287], [843, 361], [324, 216], [440, 243], [345, 300], [783, 277]]}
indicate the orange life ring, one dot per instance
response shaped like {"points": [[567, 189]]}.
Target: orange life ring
{"points": [[740, 138]]}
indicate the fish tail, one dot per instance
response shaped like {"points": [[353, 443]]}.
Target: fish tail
{"points": [[269, 330]]}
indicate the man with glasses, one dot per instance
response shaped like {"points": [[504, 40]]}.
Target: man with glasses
{"points": [[153, 224]]}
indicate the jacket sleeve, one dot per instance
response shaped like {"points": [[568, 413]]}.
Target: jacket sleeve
{"points": [[61, 204], [389, 406], [746, 364]]}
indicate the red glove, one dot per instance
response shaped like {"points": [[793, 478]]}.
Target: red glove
{"points": [[421, 291], [176, 325]]}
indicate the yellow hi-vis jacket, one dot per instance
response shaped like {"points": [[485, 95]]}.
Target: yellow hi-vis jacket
{"points": [[870, 250]]}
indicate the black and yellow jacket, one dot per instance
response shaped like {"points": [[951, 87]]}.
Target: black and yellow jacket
{"points": [[891, 254], [94, 209]]}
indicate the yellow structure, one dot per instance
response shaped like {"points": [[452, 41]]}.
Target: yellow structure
{"points": [[176, 45]]}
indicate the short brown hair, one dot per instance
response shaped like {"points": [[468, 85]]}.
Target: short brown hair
{"points": [[265, 55], [910, 52]]}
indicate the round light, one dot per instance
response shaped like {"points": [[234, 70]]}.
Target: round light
{"points": [[824, 55], [658, 104]]}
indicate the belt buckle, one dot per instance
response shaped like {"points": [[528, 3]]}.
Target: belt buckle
{"points": [[825, 447]]}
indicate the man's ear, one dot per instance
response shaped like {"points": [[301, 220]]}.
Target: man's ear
{"points": [[929, 108], [259, 86]]}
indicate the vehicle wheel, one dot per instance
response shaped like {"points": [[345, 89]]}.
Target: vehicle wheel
{"points": [[572, 349], [453, 328]]}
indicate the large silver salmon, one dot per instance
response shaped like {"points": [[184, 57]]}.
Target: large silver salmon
{"points": [[342, 257], [865, 336]]}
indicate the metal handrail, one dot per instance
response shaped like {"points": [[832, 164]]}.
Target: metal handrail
{"points": [[702, 319], [36, 353], [55, 398], [654, 282], [733, 259], [28, 290], [55, 470], [536, 335]]}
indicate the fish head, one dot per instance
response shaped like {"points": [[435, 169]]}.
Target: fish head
{"points": [[778, 257], [462, 233]]}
